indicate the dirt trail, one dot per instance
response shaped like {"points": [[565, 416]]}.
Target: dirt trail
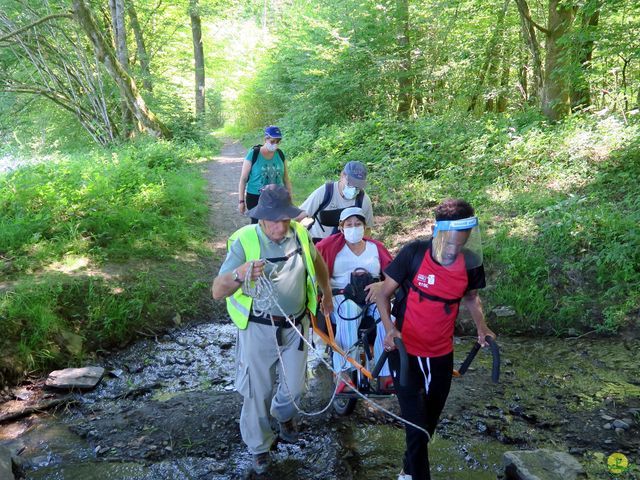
{"points": [[222, 176]]}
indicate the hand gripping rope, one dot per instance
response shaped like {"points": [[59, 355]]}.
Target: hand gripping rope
{"points": [[264, 299]]}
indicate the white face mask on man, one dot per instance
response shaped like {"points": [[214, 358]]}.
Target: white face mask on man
{"points": [[354, 234], [349, 192]]}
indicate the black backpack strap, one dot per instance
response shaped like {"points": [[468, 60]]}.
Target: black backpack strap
{"points": [[328, 193], [360, 199], [447, 301], [254, 156], [281, 153], [400, 303]]}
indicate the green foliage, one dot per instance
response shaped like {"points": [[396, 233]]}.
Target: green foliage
{"points": [[140, 200], [38, 316], [558, 204]]}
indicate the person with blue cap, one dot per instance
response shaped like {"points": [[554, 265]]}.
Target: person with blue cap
{"points": [[264, 165]]}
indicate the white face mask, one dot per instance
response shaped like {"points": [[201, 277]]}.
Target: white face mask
{"points": [[349, 192], [354, 234], [272, 147]]}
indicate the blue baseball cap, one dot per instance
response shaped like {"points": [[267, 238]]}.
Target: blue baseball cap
{"points": [[272, 131]]}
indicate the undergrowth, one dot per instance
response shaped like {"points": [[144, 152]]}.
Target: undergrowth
{"points": [[558, 204]]}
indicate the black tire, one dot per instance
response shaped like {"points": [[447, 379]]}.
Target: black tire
{"points": [[344, 406]]}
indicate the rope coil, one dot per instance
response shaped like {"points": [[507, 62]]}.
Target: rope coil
{"points": [[264, 300]]}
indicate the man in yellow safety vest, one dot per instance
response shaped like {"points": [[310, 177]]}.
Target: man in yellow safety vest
{"points": [[282, 250]]}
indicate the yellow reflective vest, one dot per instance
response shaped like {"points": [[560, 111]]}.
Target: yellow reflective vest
{"points": [[239, 304]]}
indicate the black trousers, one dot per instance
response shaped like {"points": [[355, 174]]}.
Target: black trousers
{"points": [[421, 403], [251, 200]]}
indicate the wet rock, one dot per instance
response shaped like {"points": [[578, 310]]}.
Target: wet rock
{"points": [[82, 378], [504, 311], [607, 418], [541, 464], [619, 431], [607, 426], [620, 424], [6, 467]]}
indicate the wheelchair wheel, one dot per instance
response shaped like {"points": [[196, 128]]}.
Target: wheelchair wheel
{"points": [[344, 405]]}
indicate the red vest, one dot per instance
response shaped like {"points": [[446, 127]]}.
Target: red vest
{"points": [[427, 328]]}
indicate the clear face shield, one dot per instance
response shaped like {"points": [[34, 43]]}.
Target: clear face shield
{"points": [[452, 238]]}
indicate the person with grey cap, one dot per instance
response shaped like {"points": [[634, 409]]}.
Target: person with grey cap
{"points": [[269, 348], [324, 205], [264, 165]]}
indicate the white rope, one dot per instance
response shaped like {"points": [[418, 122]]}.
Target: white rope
{"points": [[264, 300]]}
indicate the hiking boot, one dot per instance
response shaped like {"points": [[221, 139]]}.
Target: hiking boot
{"points": [[289, 431], [261, 462], [403, 476]]}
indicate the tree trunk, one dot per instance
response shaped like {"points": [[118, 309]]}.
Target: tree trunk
{"points": [[118, 27], [198, 56], [555, 96], [501, 103], [489, 56], [405, 80], [581, 92], [529, 36], [141, 48], [147, 121]]}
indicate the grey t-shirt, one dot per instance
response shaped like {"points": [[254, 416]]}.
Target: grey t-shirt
{"points": [[288, 277], [337, 201]]}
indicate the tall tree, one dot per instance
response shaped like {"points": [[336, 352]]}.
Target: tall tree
{"points": [[146, 119], [141, 47], [554, 86], [491, 59], [119, 31], [405, 76], [198, 56], [49, 59]]}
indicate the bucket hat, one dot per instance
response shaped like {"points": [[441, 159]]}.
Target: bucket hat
{"points": [[274, 204]]}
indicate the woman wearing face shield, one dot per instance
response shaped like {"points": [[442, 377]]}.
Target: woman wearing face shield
{"points": [[345, 252], [432, 278], [264, 165]]}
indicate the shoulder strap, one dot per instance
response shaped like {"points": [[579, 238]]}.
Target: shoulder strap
{"points": [[400, 303], [281, 153], [360, 199], [416, 261], [328, 193], [254, 156]]}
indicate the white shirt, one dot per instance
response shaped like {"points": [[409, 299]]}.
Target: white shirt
{"points": [[346, 262]]}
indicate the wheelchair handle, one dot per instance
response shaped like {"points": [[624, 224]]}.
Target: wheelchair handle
{"points": [[404, 362], [495, 352]]}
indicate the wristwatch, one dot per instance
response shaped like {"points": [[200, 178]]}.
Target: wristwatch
{"points": [[236, 277]]}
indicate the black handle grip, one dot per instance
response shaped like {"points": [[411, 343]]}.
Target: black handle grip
{"points": [[467, 361], [495, 352], [404, 362]]}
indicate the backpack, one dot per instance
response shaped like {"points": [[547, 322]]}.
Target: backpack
{"points": [[328, 193], [256, 152]]}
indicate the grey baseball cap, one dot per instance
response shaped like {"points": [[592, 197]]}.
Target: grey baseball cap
{"points": [[356, 173]]}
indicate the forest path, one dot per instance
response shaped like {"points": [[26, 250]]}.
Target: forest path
{"points": [[222, 175]]}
